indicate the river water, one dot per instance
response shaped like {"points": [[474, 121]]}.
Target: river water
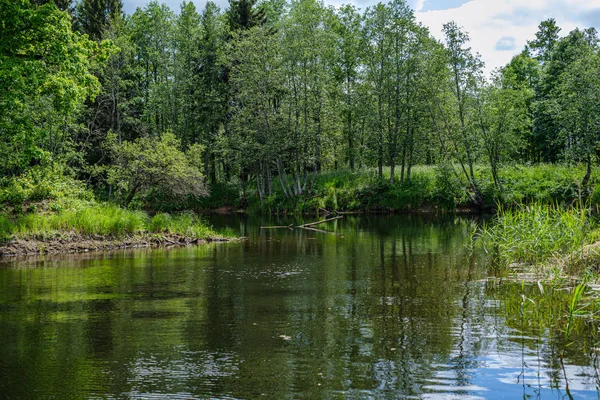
{"points": [[378, 307]]}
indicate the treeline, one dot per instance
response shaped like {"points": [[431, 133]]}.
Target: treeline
{"points": [[155, 105]]}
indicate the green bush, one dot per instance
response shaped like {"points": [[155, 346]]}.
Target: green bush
{"points": [[43, 183], [448, 188]]}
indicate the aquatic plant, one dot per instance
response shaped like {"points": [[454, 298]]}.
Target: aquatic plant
{"points": [[535, 233], [574, 307]]}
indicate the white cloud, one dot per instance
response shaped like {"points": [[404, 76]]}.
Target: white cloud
{"points": [[418, 4], [506, 43], [487, 22]]}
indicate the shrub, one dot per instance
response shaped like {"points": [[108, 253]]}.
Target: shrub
{"points": [[448, 187], [154, 169]]}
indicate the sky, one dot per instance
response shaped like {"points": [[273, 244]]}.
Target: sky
{"points": [[499, 29]]}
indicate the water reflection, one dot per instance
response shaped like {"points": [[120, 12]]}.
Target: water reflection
{"points": [[391, 307]]}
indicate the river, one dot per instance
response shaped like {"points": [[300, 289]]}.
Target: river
{"points": [[377, 307]]}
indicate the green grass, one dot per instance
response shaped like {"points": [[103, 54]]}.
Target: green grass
{"points": [[46, 202], [536, 233], [546, 183], [187, 225], [105, 220], [432, 187]]}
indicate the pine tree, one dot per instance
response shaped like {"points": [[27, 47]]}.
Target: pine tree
{"points": [[244, 15], [94, 16]]}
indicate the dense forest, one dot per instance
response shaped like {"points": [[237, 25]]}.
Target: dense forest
{"points": [[158, 108]]}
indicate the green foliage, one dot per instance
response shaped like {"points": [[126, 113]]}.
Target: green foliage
{"points": [[543, 183], [430, 187], [154, 169], [104, 220], [448, 187], [43, 183], [244, 15], [6, 228], [270, 99], [187, 225], [575, 309], [45, 77], [94, 16], [90, 220], [578, 114]]}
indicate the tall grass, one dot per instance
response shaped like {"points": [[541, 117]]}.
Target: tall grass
{"points": [[535, 233], [106, 220], [184, 224]]}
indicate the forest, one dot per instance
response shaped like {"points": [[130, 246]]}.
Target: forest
{"points": [[123, 130], [276, 106]]}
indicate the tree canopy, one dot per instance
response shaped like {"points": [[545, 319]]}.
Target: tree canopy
{"points": [[275, 92]]}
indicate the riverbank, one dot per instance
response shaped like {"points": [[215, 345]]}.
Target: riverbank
{"points": [[548, 240], [430, 189], [93, 226], [75, 243]]}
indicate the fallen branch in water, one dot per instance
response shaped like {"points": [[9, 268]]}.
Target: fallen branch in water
{"points": [[305, 226], [308, 228], [290, 226], [321, 222]]}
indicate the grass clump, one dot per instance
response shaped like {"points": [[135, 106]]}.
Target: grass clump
{"points": [[96, 219], [102, 220], [186, 224], [536, 233]]}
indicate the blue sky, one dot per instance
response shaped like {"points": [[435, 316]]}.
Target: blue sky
{"points": [[498, 28]]}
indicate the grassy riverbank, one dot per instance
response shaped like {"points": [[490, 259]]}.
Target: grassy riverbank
{"points": [[98, 219], [54, 213], [547, 239], [430, 188], [99, 226]]}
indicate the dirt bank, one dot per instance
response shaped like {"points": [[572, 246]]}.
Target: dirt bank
{"points": [[75, 243]]}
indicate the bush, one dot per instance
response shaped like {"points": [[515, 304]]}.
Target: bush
{"points": [[448, 188], [155, 170], [39, 183]]}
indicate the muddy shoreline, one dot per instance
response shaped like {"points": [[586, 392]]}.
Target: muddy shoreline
{"points": [[76, 243]]}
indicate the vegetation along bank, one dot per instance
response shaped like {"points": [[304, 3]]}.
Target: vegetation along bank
{"points": [[109, 120]]}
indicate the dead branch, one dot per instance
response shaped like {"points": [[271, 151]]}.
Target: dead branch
{"points": [[290, 226], [316, 230], [321, 222]]}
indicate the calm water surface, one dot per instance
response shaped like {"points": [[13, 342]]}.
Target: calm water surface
{"points": [[386, 307]]}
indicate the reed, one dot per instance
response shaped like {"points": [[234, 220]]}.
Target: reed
{"points": [[535, 233]]}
